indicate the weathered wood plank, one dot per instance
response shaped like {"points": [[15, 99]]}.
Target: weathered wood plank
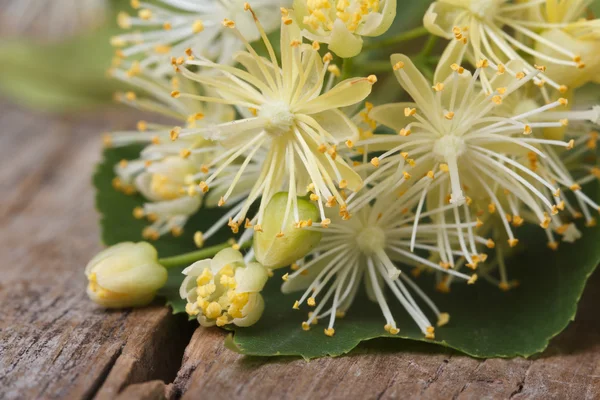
{"points": [[54, 343]]}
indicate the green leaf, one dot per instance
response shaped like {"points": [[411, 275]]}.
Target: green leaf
{"points": [[485, 322], [118, 224]]}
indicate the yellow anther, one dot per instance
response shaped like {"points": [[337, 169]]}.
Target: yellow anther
{"points": [[311, 301], [404, 132], [145, 14], [482, 63], [443, 319], [228, 23], [398, 65], [372, 79], [329, 332], [285, 277], [449, 115], [438, 87], [409, 112], [296, 305], [513, 242], [375, 161], [472, 279], [198, 239], [138, 213], [305, 326]]}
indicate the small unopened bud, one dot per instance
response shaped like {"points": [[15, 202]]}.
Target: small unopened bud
{"points": [[276, 252], [125, 275]]}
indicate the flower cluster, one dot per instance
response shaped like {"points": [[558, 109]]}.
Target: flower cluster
{"points": [[349, 194]]}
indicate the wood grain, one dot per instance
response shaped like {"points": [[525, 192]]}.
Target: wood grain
{"points": [[55, 344]]}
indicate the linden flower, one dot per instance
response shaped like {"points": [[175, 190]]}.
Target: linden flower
{"points": [[51, 19], [366, 248], [290, 124], [224, 290], [171, 26], [125, 275], [343, 23], [458, 132], [563, 27], [165, 171], [478, 30]]}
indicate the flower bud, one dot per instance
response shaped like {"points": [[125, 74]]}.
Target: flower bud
{"points": [[344, 29], [125, 275], [280, 244], [224, 290]]}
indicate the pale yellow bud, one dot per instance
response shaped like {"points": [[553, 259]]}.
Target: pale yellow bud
{"points": [[274, 250], [125, 275]]}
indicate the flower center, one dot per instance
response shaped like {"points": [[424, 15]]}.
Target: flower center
{"points": [[279, 119], [483, 8], [371, 239], [449, 146]]}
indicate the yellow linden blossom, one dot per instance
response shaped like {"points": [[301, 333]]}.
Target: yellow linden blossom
{"points": [[467, 146], [171, 26], [224, 290], [343, 23], [125, 275], [290, 124], [164, 168], [375, 247], [502, 30]]}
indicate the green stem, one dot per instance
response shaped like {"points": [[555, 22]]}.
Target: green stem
{"points": [[402, 37], [192, 257], [347, 67], [428, 48]]}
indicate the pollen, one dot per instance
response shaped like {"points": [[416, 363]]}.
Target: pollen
{"points": [[398, 65]]}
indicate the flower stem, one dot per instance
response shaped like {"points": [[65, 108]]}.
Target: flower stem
{"points": [[401, 37], [189, 258], [347, 68]]}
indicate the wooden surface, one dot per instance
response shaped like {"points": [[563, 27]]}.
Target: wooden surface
{"points": [[55, 344]]}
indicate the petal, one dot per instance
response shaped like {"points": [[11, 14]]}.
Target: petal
{"points": [[346, 93], [253, 310], [453, 54], [378, 23], [225, 257], [251, 63], [252, 278], [344, 43], [337, 124], [185, 206], [109, 252], [414, 83], [392, 115], [117, 274], [440, 18]]}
